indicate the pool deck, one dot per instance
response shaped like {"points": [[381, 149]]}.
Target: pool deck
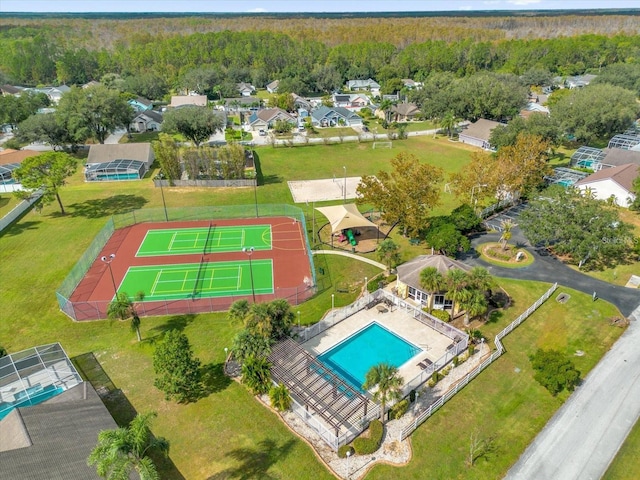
{"points": [[432, 343]]}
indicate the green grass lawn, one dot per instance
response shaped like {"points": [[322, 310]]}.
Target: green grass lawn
{"points": [[504, 402], [229, 434], [626, 466], [144, 137], [8, 201]]}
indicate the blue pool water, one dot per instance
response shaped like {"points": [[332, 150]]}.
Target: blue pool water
{"points": [[566, 183], [32, 396], [352, 358]]}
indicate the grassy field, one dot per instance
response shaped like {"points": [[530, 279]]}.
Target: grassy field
{"points": [[626, 466], [504, 402], [228, 434]]}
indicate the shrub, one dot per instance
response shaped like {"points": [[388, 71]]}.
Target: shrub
{"points": [[412, 396], [554, 371], [472, 349], [445, 371], [431, 383], [399, 409], [342, 451], [441, 315], [391, 278], [371, 443], [436, 377], [456, 361]]}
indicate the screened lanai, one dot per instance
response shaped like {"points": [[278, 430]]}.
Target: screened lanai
{"points": [[624, 141], [565, 176], [34, 375], [318, 389], [115, 170], [6, 173], [588, 157]]}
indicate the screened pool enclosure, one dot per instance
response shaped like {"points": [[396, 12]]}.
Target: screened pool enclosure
{"points": [[34, 376], [115, 170]]}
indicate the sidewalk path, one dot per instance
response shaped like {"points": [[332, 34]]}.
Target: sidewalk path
{"points": [[350, 255], [584, 436]]}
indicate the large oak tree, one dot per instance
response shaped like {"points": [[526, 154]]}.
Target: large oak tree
{"points": [[407, 194]]}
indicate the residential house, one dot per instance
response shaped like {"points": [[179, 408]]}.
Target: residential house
{"points": [[245, 89], [408, 284], [243, 104], [625, 141], [532, 109], [478, 133], [146, 121], [404, 112], [272, 87], [182, 100], [369, 85], [392, 97], [579, 81], [615, 157], [266, 118], [49, 417], [126, 161], [353, 101], [54, 93], [10, 160], [140, 104], [301, 103], [612, 183], [411, 84], [91, 83], [10, 90], [324, 116]]}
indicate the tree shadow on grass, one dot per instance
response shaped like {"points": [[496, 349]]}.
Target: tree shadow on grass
{"points": [[18, 227], [255, 462], [176, 322], [213, 379], [260, 176], [106, 207]]}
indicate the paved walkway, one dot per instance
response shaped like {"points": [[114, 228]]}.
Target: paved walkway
{"points": [[584, 436], [350, 255]]}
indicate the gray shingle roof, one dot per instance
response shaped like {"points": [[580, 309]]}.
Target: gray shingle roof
{"points": [[127, 151], [409, 272], [62, 433], [481, 129]]}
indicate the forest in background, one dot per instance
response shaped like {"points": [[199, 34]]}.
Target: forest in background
{"points": [[307, 54]]}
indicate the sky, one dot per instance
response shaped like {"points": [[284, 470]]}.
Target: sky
{"points": [[248, 6]]}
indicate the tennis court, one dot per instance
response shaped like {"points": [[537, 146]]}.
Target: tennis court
{"points": [[199, 280], [212, 239]]}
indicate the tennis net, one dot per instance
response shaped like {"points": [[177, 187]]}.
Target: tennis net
{"points": [[206, 242], [198, 278]]}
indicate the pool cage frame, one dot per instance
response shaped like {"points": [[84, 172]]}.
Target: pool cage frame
{"points": [[26, 375], [588, 157], [6, 173], [624, 141], [115, 167], [562, 175]]}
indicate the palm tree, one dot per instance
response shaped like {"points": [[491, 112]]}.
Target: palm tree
{"points": [[385, 106], [238, 310], [448, 122], [385, 377], [124, 449], [480, 279], [457, 291], [122, 307], [474, 304], [280, 397], [433, 282], [256, 374], [507, 226]]}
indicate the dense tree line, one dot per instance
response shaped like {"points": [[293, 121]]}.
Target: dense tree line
{"points": [[213, 62]]}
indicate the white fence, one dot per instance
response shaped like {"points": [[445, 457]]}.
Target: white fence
{"points": [[408, 430], [239, 182]]}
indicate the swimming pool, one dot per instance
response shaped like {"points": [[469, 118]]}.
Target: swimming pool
{"points": [[352, 358], [31, 396]]}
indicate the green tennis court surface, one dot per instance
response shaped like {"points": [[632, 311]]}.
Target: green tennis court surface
{"points": [[186, 280], [179, 241]]}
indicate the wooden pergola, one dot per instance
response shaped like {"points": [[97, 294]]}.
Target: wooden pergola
{"points": [[317, 387]]}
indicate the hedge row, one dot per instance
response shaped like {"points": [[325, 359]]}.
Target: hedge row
{"points": [[367, 445]]}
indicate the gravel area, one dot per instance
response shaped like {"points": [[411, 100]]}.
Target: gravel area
{"points": [[393, 450]]}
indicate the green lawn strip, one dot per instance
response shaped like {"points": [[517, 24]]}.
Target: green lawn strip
{"points": [[528, 260], [8, 201], [626, 466], [504, 401]]}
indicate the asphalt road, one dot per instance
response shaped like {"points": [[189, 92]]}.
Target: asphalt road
{"points": [[584, 436]]}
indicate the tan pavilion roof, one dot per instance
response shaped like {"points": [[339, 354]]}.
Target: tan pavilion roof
{"points": [[409, 272], [342, 217]]}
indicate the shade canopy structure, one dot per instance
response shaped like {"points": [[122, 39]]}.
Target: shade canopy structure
{"points": [[343, 217]]}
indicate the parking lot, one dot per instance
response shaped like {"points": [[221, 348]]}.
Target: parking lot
{"points": [[511, 213]]}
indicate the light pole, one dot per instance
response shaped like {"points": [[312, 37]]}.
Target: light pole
{"points": [[416, 400], [108, 261], [473, 189], [164, 204], [366, 285], [298, 319], [348, 456], [249, 251], [345, 183], [333, 301], [255, 194], [226, 354]]}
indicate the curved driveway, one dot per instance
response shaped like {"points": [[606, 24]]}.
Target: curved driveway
{"points": [[585, 434]]}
